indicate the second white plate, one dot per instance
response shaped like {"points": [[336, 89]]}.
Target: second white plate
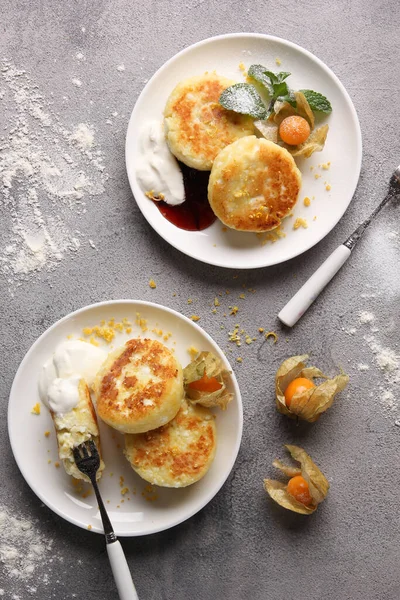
{"points": [[330, 190], [140, 509]]}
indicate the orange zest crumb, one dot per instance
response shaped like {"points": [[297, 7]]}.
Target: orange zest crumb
{"points": [[195, 318], [57, 465], [46, 433], [306, 201], [152, 284], [36, 409], [193, 352], [299, 222]]}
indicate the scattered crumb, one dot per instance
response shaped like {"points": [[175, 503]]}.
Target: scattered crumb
{"points": [[152, 284], [306, 201], [46, 433], [317, 175], [195, 318], [124, 491], [239, 359], [36, 409], [273, 335], [149, 493], [242, 296], [362, 367], [278, 61], [76, 82], [216, 302], [328, 187], [299, 222], [261, 329], [89, 527], [190, 301], [57, 465], [121, 68], [141, 322], [233, 310], [242, 66], [326, 166], [193, 352]]}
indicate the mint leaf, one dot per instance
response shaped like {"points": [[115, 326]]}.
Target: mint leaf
{"points": [[277, 77], [258, 72], [317, 101], [243, 98]]}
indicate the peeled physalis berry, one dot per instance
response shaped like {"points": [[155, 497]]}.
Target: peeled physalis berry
{"points": [[298, 488], [294, 130], [296, 387]]}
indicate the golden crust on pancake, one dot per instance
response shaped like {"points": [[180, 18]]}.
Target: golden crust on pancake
{"points": [[197, 127], [253, 185], [139, 387], [177, 454], [75, 427]]}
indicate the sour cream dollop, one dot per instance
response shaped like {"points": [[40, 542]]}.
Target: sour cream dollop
{"points": [[63, 394], [157, 168], [72, 361]]}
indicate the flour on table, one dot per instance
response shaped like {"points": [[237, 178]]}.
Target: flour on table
{"points": [[366, 317], [76, 82], [47, 175], [26, 556]]}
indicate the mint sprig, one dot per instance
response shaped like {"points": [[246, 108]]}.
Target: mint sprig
{"points": [[274, 84], [244, 98], [317, 101]]}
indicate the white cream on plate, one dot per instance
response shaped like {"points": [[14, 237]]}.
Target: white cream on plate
{"points": [[72, 359], [63, 394], [157, 169]]}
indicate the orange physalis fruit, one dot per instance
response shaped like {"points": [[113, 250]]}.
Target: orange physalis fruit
{"points": [[298, 488], [301, 384], [294, 130], [205, 384]]}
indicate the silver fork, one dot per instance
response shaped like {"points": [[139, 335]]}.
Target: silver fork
{"points": [[87, 459], [306, 295]]}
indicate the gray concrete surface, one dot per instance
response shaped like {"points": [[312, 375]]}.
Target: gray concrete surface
{"points": [[239, 546]]}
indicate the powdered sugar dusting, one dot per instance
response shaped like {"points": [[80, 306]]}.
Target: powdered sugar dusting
{"points": [[25, 555], [46, 172], [366, 317]]}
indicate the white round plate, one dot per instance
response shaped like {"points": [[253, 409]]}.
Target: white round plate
{"points": [[141, 510], [239, 250]]}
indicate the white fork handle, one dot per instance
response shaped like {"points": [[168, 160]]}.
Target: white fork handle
{"points": [[297, 306], [121, 572]]}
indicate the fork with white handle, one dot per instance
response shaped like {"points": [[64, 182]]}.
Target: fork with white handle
{"points": [[87, 460], [297, 306]]}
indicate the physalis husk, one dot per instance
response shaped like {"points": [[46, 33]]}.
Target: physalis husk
{"points": [[307, 404], [314, 483], [205, 381]]}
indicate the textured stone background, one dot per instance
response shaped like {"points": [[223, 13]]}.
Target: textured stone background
{"points": [[240, 545]]}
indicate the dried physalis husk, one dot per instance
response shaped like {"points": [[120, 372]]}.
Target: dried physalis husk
{"points": [[315, 483], [307, 404], [205, 380], [314, 143], [269, 128]]}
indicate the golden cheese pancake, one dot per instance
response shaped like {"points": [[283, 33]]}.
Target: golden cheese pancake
{"points": [[197, 127], [139, 387], [75, 427], [177, 454], [253, 184]]}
